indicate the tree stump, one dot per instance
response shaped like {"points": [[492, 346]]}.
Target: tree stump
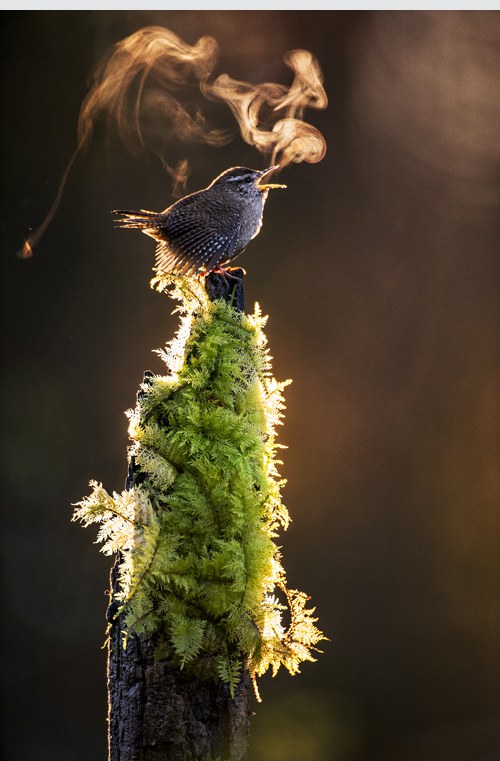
{"points": [[156, 711]]}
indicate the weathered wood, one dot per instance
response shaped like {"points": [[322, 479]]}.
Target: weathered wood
{"points": [[157, 712], [228, 287]]}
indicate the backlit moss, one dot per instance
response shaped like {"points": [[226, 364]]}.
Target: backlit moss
{"points": [[197, 531]]}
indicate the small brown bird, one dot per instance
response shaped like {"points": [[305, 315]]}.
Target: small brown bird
{"points": [[208, 229]]}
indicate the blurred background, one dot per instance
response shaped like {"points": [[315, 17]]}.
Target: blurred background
{"points": [[379, 270]]}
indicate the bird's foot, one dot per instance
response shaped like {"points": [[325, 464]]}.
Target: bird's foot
{"points": [[226, 273]]}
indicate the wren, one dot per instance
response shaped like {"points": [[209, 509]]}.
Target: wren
{"points": [[206, 230]]}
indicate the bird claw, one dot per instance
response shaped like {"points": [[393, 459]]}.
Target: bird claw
{"points": [[224, 272]]}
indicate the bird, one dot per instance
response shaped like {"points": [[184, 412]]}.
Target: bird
{"points": [[206, 230]]}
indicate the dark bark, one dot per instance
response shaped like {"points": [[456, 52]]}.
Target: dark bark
{"points": [[227, 287], [158, 712]]}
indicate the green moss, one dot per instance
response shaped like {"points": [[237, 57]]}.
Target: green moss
{"points": [[197, 531]]}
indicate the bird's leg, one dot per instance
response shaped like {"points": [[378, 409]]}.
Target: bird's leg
{"points": [[237, 268], [224, 272]]}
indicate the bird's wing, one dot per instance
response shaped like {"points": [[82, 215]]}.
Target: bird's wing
{"points": [[192, 241], [220, 257]]}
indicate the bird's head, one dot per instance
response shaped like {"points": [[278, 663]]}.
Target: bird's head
{"points": [[244, 181]]}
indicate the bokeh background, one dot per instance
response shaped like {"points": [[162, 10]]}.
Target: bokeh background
{"points": [[379, 269]]}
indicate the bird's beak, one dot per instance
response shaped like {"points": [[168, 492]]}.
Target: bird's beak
{"points": [[268, 185]]}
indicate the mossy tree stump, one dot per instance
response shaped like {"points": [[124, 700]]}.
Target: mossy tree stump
{"points": [[158, 711], [198, 589]]}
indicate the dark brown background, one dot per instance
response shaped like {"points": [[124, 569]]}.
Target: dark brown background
{"points": [[378, 268]]}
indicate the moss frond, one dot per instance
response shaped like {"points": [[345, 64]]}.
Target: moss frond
{"points": [[199, 562]]}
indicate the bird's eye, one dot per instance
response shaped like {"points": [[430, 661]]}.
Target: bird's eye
{"points": [[239, 178]]}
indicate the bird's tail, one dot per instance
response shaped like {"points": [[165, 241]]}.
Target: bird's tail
{"points": [[142, 219]]}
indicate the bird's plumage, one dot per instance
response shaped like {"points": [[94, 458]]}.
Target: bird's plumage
{"points": [[206, 229]]}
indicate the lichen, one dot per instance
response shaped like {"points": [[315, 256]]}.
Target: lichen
{"points": [[197, 531]]}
